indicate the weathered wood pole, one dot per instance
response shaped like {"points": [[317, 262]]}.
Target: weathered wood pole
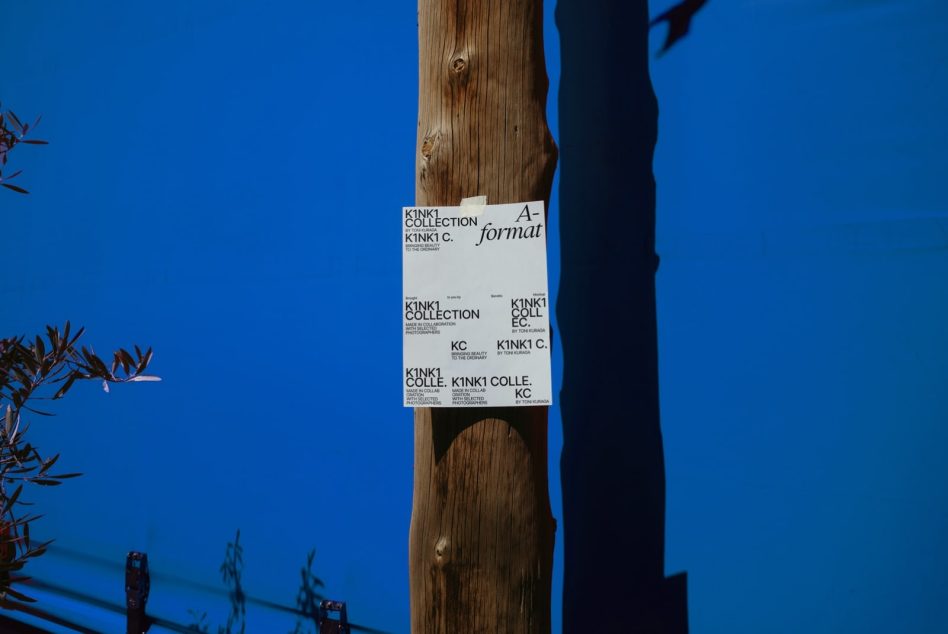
{"points": [[481, 538]]}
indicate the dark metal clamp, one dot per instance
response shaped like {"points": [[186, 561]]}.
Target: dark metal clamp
{"points": [[329, 625], [137, 586]]}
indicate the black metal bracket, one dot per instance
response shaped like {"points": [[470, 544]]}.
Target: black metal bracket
{"points": [[137, 586], [328, 625]]}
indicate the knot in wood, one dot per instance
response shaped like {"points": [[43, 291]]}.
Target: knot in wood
{"points": [[441, 549], [458, 64], [427, 147]]}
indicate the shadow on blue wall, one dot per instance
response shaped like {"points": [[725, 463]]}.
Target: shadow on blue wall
{"points": [[612, 469]]}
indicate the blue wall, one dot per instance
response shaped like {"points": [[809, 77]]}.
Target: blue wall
{"points": [[801, 166], [223, 183]]}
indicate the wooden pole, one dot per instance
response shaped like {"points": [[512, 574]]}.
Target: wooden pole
{"points": [[481, 538]]}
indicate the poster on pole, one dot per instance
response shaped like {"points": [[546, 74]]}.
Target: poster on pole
{"points": [[476, 322]]}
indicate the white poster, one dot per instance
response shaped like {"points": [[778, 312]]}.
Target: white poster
{"points": [[476, 319]]}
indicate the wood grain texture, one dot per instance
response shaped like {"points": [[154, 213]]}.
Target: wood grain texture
{"points": [[481, 538]]}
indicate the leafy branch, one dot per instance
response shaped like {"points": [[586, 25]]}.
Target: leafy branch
{"points": [[12, 133], [231, 572], [307, 598], [32, 370]]}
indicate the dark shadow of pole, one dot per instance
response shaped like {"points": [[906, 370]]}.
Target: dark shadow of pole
{"points": [[613, 471]]}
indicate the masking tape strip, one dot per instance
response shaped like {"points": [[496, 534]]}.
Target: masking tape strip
{"points": [[473, 206]]}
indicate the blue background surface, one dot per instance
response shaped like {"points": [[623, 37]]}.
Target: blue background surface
{"points": [[224, 182]]}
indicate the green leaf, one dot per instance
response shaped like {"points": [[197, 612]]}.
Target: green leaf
{"points": [[19, 579], [46, 482], [14, 120], [39, 411], [19, 595], [53, 335], [49, 462], [99, 365], [8, 505], [19, 190], [65, 388], [127, 360]]}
